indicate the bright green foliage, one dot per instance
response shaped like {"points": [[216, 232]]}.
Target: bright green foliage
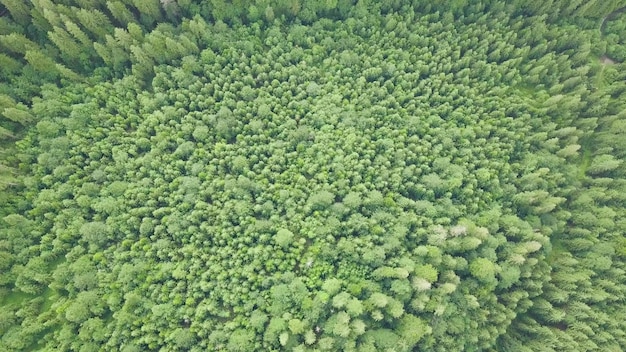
{"points": [[427, 272], [482, 269], [284, 237], [614, 29], [603, 163], [300, 175], [95, 232], [19, 10], [321, 200], [412, 329], [240, 340], [20, 116]]}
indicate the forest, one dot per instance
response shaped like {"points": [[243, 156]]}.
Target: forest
{"points": [[300, 175]]}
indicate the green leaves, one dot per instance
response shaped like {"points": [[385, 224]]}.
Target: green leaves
{"points": [[240, 340], [483, 269], [283, 237], [603, 164], [183, 338], [375, 183], [20, 116], [387, 272], [95, 233], [412, 329], [427, 272], [321, 200]]}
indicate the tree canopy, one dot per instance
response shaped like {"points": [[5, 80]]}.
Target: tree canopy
{"points": [[312, 176]]}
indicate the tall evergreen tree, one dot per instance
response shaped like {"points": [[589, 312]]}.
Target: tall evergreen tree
{"points": [[17, 43], [19, 115], [96, 22], [120, 12], [19, 10]]}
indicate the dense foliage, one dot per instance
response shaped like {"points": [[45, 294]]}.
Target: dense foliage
{"points": [[614, 29], [312, 176]]}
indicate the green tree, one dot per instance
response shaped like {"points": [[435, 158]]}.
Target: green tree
{"points": [[42, 63], [20, 11], [602, 164], [17, 43], [150, 9], [77, 312], [183, 338], [284, 237], [95, 21], [8, 65], [412, 329], [95, 233], [18, 115], [321, 200], [483, 269], [69, 47], [120, 12]]}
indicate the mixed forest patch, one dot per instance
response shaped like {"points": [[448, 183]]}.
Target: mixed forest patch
{"points": [[312, 177]]}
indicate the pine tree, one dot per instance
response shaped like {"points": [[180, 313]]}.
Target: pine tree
{"points": [[68, 73], [149, 8], [20, 116], [19, 9], [116, 50], [189, 46], [17, 43], [197, 27], [142, 62], [136, 32], [48, 10], [39, 22], [69, 48], [8, 65], [41, 62], [121, 13], [77, 32], [172, 10], [104, 53], [5, 133], [123, 38], [6, 101], [603, 163], [586, 9], [96, 22], [87, 4]]}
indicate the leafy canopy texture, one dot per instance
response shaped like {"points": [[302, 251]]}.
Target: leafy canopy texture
{"points": [[304, 176]]}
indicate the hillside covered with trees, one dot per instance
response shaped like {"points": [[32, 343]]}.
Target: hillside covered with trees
{"points": [[296, 175]]}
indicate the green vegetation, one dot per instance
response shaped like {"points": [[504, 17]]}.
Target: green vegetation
{"points": [[312, 176], [614, 29]]}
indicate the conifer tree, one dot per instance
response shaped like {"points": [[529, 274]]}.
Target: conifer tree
{"points": [[19, 10], [70, 49], [68, 73], [41, 62], [6, 134], [49, 11], [150, 9], [142, 62], [96, 22], [19, 115], [77, 32], [17, 43], [8, 65], [120, 12], [172, 10]]}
